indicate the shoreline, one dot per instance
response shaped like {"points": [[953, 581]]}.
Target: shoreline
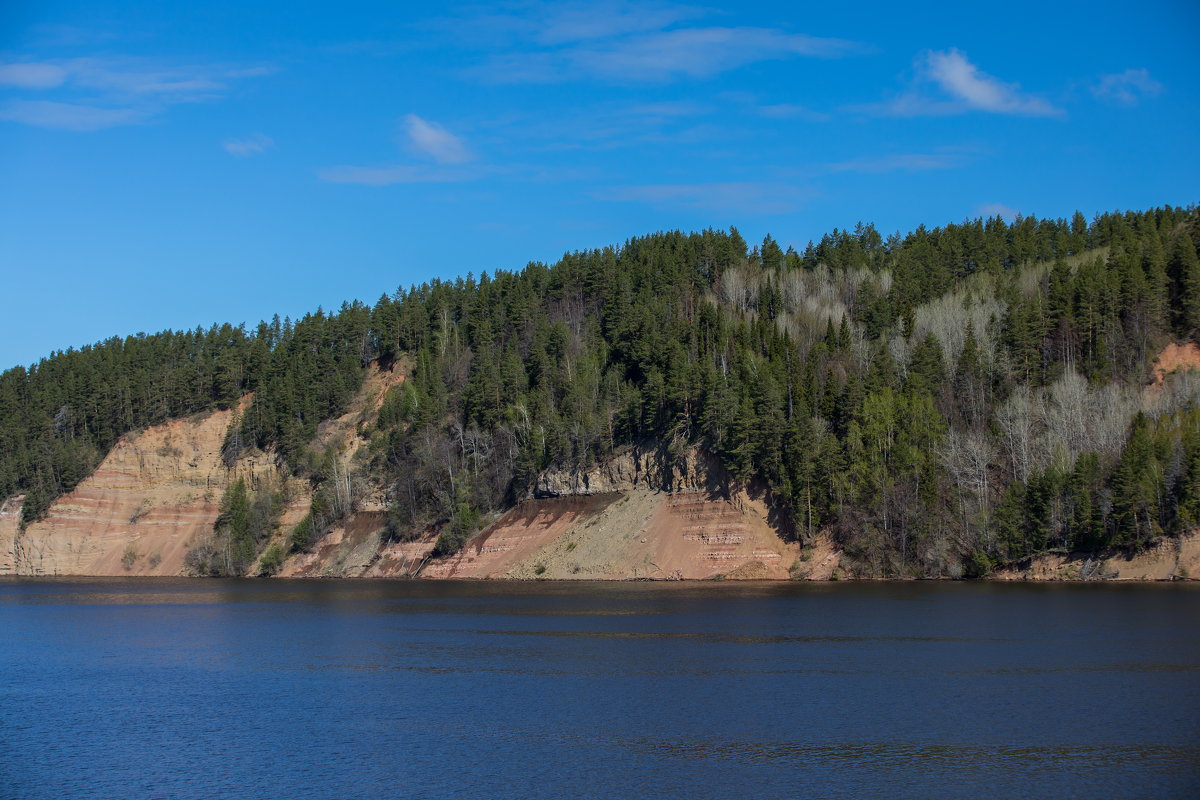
{"points": [[568, 581]]}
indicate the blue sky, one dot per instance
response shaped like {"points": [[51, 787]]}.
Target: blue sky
{"points": [[170, 165]]}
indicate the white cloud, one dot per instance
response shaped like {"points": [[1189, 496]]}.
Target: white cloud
{"points": [[250, 146], [963, 87], [432, 140], [1127, 88], [743, 197], [91, 93], [32, 75], [70, 116], [962, 80]]}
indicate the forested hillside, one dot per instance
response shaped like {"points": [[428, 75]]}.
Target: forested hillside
{"points": [[941, 402]]}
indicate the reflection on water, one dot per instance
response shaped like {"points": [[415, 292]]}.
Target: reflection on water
{"points": [[359, 689]]}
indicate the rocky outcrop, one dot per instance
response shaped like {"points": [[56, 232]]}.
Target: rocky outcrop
{"points": [[641, 467]]}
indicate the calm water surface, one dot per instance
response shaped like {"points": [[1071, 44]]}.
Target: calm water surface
{"points": [[199, 689]]}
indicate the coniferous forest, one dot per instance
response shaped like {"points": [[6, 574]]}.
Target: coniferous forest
{"points": [[941, 402]]}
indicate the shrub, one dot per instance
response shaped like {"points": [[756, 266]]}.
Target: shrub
{"points": [[303, 533], [271, 560], [457, 532]]}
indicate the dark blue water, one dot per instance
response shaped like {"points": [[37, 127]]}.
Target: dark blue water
{"points": [[200, 689]]}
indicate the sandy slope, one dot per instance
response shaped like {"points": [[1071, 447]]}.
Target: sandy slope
{"points": [[140, 511], [1165, 560], [640, 533], [158, 492]]}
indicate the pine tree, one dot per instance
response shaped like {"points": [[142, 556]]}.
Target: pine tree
{"points": [[1185, 274]]}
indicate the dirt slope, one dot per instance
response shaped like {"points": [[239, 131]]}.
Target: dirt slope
{"points": [[1176, 357], [343, 432], [139, 512], [636, 534], [158, 492], [516, 536], [348, 550]]}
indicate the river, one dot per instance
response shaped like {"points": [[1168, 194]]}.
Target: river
{"points": [[145, 688]]}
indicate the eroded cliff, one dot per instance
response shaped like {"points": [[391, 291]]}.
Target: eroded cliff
{"points": [[151, 498]]}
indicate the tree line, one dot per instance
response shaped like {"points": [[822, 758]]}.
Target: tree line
{"points": [[940, 401]]}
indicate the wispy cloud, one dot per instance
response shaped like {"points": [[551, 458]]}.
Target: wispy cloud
{"points": [[672, 109], [608, 126], [95, 33], [697, 52], [989, 210], [32, 75], [962, 80], [252, 145], [427, 139], [899, 162], [69, 116], [391, 174], [790, 111], [742, 197], [555, 23], [661, 56], [432, 140], [574, 22], [753, 103], [622, 42], [962, 87], [1127, 88], [85, 94]]}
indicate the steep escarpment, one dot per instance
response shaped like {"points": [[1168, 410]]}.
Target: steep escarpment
{"points": [[659, 535], [644, 514], [940, 404], [153, 496], [158, 493], [637, 534]]}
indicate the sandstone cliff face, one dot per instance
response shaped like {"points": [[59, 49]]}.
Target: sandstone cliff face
{"points": [[158, 493], [141, 510], [640, 515], [1167, 559], [685, 534]]}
